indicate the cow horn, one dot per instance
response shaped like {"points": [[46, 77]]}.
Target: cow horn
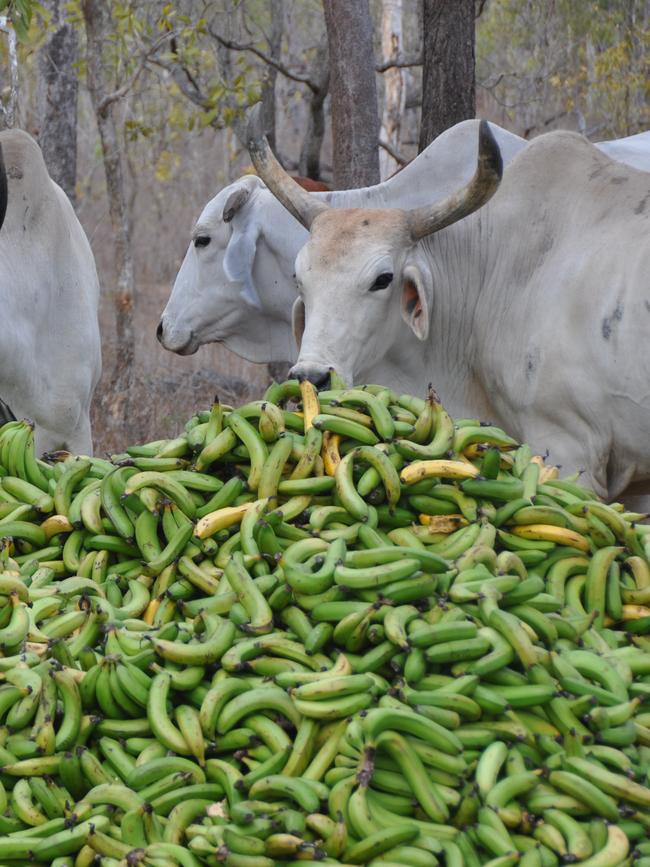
{"points": [[297, 201], [3, 189], [426, 220]]}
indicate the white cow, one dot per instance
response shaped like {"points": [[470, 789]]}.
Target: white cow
{"points": [[236, 283], [50, 358], [531, 311]]}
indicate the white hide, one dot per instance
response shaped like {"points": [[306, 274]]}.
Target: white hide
{"points": [[634, 150], [535, 309], [239, 290], [50, 356]]}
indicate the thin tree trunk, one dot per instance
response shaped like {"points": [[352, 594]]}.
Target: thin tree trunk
{"points": [[394, 86], [448, 83], [355, 120], [271, 74], [227, 73], [57, 98], [309, 163], [97, 18], [10, 108]]}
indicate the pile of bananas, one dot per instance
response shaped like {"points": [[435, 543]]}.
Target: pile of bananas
{"points": [[336, 627]]}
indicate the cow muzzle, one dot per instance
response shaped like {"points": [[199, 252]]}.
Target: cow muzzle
{"points": [[318, 376], [183, 343]]}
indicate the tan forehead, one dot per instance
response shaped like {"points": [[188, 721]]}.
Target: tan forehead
{"points": [[350, 226]]}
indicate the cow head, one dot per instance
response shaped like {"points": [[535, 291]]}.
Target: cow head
{"points": [[215, 297], [362, 272], [3, 189]]}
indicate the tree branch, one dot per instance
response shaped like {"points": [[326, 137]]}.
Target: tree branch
{"points": [[184, 81], [544, 123], [494, 84], [271, 61], [121, 92], [396, 63], [395, 154], [399, 63]]}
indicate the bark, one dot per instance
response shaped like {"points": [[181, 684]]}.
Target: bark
{"points": [[10, 107], [355, 120], [57, 98], [448, 83], [271, 74], [227, 73], [98, 23], [309, 163], [394, 86]]}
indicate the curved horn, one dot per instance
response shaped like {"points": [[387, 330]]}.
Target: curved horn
{"points": [[295, 199], [3, 189], [426, 220]]}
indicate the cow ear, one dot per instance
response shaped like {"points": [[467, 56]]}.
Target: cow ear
{"points": [[240, 256], [416, 301], [235, 202], [298, 320]]}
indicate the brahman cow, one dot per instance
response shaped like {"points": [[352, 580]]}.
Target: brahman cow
{"points": [[50, 358], [236, 283], [531, 311]]}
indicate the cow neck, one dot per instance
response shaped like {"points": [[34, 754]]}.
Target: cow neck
{"points": [[459, 262]]}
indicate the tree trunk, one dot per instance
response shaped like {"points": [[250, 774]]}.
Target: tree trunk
{"points": [[227, 74], [57, 99], [448, 84], [97, 18], [355, 120], [394, 86], [271, 74], [309, 164], [9, 108]]}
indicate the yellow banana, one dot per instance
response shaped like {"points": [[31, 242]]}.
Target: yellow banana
{"points": [[56, 524], [547, 474], [330, 453], [634, 612], [310, 403], [220, 520], [445, 469], [551, 533], [150, 610]]}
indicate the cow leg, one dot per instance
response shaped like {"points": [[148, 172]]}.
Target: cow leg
{"points": [[77, 440], [80, 442]]}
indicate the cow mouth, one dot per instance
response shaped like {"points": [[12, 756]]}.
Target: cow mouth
{"points": [[189, 348]]}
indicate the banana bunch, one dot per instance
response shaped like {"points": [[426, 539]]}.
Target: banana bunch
{"points": [[337, 626]]}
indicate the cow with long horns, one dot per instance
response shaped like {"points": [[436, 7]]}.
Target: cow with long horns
{"points": [[525, 301], [236, 286]]}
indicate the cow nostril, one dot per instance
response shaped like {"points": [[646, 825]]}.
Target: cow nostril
{"points": [[159, 331], [321, 380]]}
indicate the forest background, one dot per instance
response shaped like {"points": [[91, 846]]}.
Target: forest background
{"points": [[137, 104]]}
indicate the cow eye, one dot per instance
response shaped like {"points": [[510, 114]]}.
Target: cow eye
{"points": [[382, 281], [202, 241]]}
